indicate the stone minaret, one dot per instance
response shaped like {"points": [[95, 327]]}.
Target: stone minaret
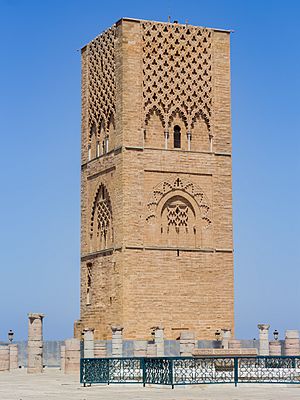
{"points": [[156, 209]]}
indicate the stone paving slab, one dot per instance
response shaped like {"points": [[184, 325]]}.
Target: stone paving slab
{"points": [[54, 385]]}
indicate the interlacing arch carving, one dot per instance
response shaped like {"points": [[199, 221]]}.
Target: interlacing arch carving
{"points": [[177, 210], [198, 116], [101, 79], [177, 71], [178, 113], [101, 217], [177, 214], [157, 111]]}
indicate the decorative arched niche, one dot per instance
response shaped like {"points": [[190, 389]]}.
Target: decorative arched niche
{"points": [[93, 141], [101, 227], [179, 215], [110, 141], [154, 130], [178, 220], [178, 131], [102, 138], [200, 140]]}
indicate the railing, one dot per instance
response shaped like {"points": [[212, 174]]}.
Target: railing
{"points": [[189, 370]]}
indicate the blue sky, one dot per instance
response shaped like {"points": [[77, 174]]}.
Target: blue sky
{"points": [[40, 153]]}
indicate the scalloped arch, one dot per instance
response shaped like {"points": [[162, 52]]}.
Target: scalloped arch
{"points": [[102, 190], [156, 110], [172, 184]]}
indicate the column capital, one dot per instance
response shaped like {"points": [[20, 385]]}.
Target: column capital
{"points": [[157, 328], [116, 328], [88, 330], [36, 315], [226, 332], [225, 329], [263, 327]]}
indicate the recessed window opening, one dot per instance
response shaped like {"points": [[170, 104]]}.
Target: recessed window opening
{"points": [[177, 253], [88, 283], [177, 137]]}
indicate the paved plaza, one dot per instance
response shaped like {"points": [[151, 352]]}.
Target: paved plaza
{"points": [[53, 385]]}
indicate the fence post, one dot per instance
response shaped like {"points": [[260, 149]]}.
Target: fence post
{"points": [[144, 371], [81, 372], [236, 371], [171, 373], [107, 362]]}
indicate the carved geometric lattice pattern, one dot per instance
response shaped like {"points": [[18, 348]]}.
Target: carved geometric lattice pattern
{"points": [[101, 80], [101, 213], [103, 217], [177, 215], [177, 72], [170, 185]]}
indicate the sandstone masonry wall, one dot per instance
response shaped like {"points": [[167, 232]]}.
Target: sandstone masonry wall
{"points": [[156, 219]]}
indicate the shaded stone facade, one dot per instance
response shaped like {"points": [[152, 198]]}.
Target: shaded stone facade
{"points": [[156, 197]]}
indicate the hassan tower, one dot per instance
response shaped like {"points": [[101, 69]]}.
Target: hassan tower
{"points": [[156, 192]]}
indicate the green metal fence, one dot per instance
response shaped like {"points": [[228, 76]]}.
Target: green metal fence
{"points": [[189, 370]]}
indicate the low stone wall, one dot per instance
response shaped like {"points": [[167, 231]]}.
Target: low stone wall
{"points": [[51, 356], [72, 356], [52, 349], [13, 356], [225, 352], [4, 358], [292, 343]]}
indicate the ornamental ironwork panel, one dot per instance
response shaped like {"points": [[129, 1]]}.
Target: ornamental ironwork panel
{"points": [[188, 370], [111, 370], [158, 371], [203, 370], [125, 370], [94, 370], [269, 369]]}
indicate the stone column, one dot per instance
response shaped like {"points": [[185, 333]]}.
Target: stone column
{"points": [[187, 343], [291, 343], [88, 343], [4, 357], [72, 364], [226, 336], [166, 139], [35, 343], [189, 137], [263, 339], [117, 341], [63, 358], [275, 348], [159, 340], [13, 356]]}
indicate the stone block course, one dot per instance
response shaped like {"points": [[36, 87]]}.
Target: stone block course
{"points": [[35, 343], [4, 358], [72, 356]]}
